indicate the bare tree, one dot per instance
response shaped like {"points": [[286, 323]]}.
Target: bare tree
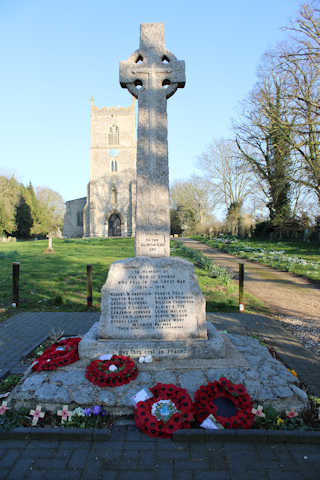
{"points": [[52, 205], [299, 61], [228, 175], [263, 135], [192, 202], [306, 33]]}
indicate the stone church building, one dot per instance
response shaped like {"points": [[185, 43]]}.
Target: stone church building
{"points": [[109, 208]]}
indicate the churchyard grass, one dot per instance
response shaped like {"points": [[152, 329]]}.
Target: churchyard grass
{"points": [[300, 258], [58, 282]]}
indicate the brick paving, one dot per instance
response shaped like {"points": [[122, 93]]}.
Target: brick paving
{"points": [[21, 333], [131, 455]]}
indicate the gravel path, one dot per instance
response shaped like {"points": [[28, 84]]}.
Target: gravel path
{"points": [[294, 301]]}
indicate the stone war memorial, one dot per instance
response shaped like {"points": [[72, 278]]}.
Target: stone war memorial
{"points": [[152, 305]]}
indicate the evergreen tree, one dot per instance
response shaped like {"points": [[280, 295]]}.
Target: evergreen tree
{"points": [[278, 160], [233, 218], [37, 212], [24, 220], [9, 197]]}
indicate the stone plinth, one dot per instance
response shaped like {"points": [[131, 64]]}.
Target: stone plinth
{"points": [[245, 361], [152, 298], [92, 347]]}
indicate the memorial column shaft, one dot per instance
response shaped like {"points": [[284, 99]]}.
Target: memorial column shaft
{"points": [[152, 214]]}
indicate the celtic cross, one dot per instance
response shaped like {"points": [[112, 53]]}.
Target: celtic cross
{"points": [[152, 74]]}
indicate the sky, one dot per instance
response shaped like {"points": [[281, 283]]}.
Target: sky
{"points": [[56, 54]]}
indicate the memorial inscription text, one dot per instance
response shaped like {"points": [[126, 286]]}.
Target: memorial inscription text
{"points": [[148, 299]]}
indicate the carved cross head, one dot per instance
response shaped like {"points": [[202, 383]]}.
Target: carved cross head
{"points": [[152, 67]]}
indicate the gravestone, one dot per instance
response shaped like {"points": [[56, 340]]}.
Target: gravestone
{"points": [[152, 303]]}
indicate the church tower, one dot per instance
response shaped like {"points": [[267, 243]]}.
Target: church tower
{"points": [[109, 208]]}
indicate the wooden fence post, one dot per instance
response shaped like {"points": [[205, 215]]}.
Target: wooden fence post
{"points": [[15, 284], [89, 286], [241, 284]]}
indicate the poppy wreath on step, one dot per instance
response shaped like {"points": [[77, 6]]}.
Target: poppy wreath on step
{"points": [[58, 355], [169, 409], [229, 403], [117, 371]]}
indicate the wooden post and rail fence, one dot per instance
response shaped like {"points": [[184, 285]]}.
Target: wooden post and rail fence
{"points": [[15, 285], [16, 276]]}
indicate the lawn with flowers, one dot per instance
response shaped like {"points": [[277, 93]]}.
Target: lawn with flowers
{"points": [[301, 258], [218, 287]]}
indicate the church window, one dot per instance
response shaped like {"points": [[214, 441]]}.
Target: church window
{"points": [[114, 195], [114, 166], [113, 135], [79, 219]]}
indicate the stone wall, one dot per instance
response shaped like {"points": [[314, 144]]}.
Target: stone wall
{"points": [[73, 218]]}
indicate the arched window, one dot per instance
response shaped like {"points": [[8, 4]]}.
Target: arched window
{"points": [[114, 195], [79, 219], [114, 166], [113, 135]]}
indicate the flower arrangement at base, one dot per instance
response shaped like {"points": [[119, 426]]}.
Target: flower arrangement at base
{"points": [[117, 371], [272, 419], [229, 404], [169, 409], [57, 355], [90, 417]]}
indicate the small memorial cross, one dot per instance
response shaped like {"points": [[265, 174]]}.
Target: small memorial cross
{"points": [[36, 414], [64, 413], [152, 74]]}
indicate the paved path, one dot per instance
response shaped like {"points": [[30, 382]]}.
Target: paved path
{"points": [[131, 455], [283, 292], [290, 350], [21, 333]]}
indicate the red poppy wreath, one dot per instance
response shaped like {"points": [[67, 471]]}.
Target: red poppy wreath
{"points": [[169, 409], [229, 403], [117, 371], [58, 355]]}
